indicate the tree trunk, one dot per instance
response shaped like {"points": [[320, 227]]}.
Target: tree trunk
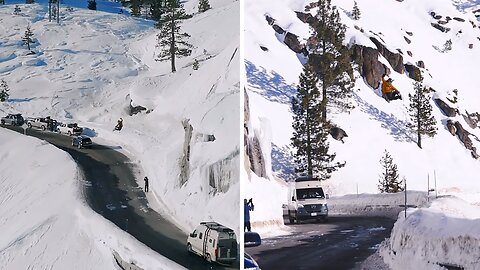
{"points": [[172, 45], [309, 146], [419, 135]]}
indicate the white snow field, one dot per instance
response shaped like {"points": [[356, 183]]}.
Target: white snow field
{"points": [[374, 125], [94, 64], [45, 223]]}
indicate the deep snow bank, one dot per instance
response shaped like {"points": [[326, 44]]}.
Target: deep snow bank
{"points": [[445, 233], [44, 222]]}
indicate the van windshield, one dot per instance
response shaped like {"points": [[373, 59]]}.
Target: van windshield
{"points": [[310, 193]]}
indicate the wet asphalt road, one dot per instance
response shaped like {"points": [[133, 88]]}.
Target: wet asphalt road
{"points": [[342, 243], [111, 190]]}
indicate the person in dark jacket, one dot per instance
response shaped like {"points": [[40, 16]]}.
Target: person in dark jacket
{"points": [[146, 183], [248, 206]]}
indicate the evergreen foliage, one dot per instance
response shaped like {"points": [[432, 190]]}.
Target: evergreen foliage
{"points": [[203, 6], [195, 65], [4, 91], [420, 111], [331, 59], [27, 38], [170, 39], [389, 179], [310, 133], [92, 5], [29, 1], [135, 6], [157, 8], [356, 11]]}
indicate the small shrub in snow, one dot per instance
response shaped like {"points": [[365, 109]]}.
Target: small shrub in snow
{"points": [[203, 6], [195, 64], [29, 1], [27, 38], [17, 10], [92, 5], [356, 12], [4, 91], [389, 182]]}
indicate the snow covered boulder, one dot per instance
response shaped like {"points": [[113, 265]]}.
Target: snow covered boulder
{"points": [[447, 110], [394, 59], [291, 40], [371, 69]]}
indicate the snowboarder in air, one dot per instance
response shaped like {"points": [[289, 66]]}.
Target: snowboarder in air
{"points": [[248, 206], [119, 125], [146, 183], [389, 92]]}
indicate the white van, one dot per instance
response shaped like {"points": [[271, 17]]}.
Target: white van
{"points": [[214, 242]]}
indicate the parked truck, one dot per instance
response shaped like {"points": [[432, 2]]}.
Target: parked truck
{"points": [[307, 201], [38, 122], [69, 129], [12, 119]]}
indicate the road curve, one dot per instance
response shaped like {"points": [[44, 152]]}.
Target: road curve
{"points": [[111, 190], [342, 243]]}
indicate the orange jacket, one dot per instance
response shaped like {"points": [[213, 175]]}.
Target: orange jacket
{"points": [[387, 87]]}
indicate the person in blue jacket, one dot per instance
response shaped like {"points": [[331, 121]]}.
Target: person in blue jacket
{"points": [[248, 206]]}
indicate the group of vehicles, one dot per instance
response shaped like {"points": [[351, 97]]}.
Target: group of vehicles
{"points": [[47, 123]]}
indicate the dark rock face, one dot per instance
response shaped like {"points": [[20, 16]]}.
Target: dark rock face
{"points": [[370, 68], [278, 29], [442, 22], [407, 40], [421, 64], [338, 133], [305, 17], [409, 53], [270, 20], [463, 135], [413, 72], [458, 19], [265, 49], [409, 33], [447, 110], [451, 127], [472, 119], [252, 144], [291, 40], [136, 109], [394, 59], [441, 28]]}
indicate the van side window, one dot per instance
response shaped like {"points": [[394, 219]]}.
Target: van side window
{"points": [[200, 235], [213, 245], [209, 240]]}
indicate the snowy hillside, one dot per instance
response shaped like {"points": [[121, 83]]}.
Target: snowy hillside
{"points": [[403, 27], [45, 222], [96, 65]]}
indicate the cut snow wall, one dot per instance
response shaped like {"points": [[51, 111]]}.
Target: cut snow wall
{"points": [[222, 173], [185, 162]]}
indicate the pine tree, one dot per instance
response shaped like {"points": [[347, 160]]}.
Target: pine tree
{"points": [[421, 118], [27, 39], [310, 133], [389, 179], [4, 91], [92, 5], [331, 59], [17, 10], [135, 6], [29, 1], [356, 11], [170, 39], [157, 8], [195, 65], [203, 6]]}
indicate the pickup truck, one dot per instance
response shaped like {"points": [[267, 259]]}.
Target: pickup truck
{"points": [[39, 122], [12, 119], [70, 129]]}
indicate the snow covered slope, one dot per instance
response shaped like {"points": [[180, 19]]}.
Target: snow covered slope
{"points": [[374, 125], [95, 64], [45, 222]]}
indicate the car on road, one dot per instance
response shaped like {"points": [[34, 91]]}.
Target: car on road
{"points": [[38, 122], [69, 129], [214, 242], [12, 119], [251, 239], [82, 142], [308, 201]]}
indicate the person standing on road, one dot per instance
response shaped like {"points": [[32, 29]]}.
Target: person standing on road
{"points": [[248, 206], [146, 183]]}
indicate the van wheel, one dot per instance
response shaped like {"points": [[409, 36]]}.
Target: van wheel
{"points": [[43, 128], [2, 122], [69, 133], [79, 146], [189, 248], [209, 258], [29, 125]]}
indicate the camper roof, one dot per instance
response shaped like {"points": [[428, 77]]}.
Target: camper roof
{"points": [[306, 178]]}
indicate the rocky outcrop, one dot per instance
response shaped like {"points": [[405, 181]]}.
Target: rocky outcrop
{"points": [[458, 19], [338, 133], [441, 28], [136, 109], [291, 40], [394, 59], [421, 64], [407, 40], [305, 17], [451, 127], [463, 135], [472, 119], [370, 68], [445, 108], [413, 72], [278, 29], [185, 161]]}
